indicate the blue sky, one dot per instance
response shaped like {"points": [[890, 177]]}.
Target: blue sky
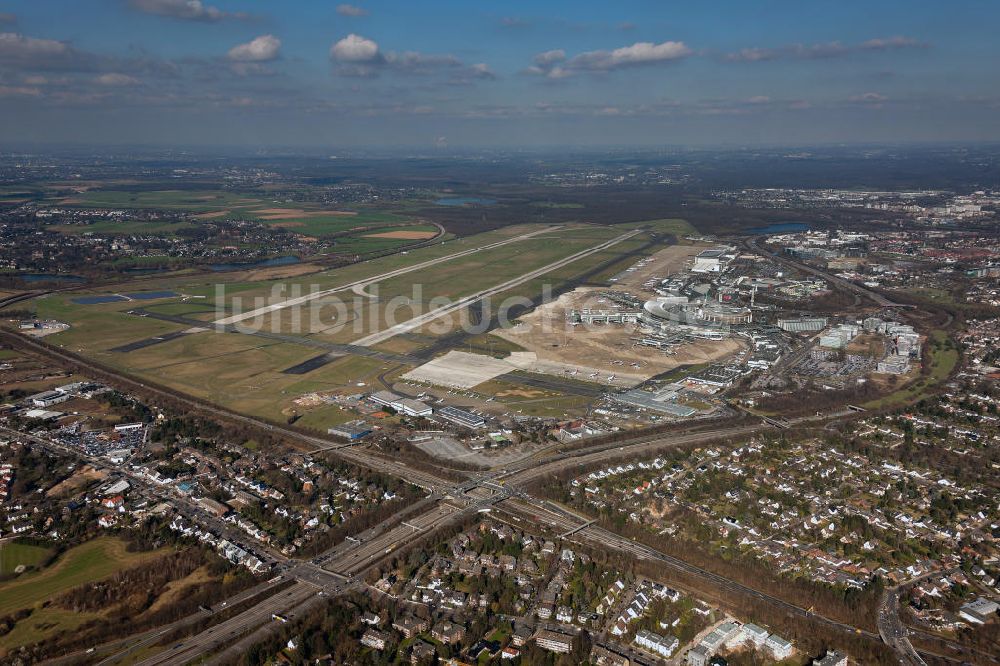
{"points": [[479, 73]]}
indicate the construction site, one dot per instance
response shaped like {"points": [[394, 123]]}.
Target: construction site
{"points": [[607, 335]]}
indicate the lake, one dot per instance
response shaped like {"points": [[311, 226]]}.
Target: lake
{"points": [[465, 201]]}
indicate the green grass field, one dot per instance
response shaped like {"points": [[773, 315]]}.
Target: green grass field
{"points": [[87, 562], [13, 555], [223, 204], [184, 200], [673, 226], [324, 225]]}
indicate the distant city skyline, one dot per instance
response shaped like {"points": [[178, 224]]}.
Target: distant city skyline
{"points": [[443, 73]]}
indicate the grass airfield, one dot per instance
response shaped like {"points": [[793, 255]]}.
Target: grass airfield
{"points": [[244, 372]]}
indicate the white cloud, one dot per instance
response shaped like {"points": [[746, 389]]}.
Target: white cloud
{"points": [[351, 10], [116, 79], [550, 57], [415, 61], [190, 10], [554, 64], [513, 22], [824, 50], [259, 49], [362, 57], [19, 91], [356, 49], [17, 46], [868, 98], [481, 70], [889, 43]]}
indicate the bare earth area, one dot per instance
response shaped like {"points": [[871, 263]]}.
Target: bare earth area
{"points": [[290, 213], [609, 349], [404, 235]]}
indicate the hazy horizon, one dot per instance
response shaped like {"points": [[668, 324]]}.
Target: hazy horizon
{"points": [[253, 73]]}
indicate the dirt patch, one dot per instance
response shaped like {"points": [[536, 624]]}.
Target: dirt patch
{"points": [[174, 589], [77, 480], [598, 352], [291, 213], [459, 369], [288, 225], [279, 272], [212, 215], [405, 235]]}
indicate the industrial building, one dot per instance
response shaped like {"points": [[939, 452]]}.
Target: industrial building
{"points": [[663, 401], [48, 398], [461, 417], [353, 430], [714, 260], [802, 324], [402, 405], [588, 316], [839, 337], [708, 314]]}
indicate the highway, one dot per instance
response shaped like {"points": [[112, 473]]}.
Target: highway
{"points": [[892, 631], [355, 555], [192, 647]]}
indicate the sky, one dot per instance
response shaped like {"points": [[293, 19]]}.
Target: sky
{"points": [[482, 73]]}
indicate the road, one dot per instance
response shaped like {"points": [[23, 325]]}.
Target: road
{"points": [[892, 631], [190, 648]]}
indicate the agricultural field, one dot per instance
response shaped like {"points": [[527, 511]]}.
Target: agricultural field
{"points": [[221, 205]]}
